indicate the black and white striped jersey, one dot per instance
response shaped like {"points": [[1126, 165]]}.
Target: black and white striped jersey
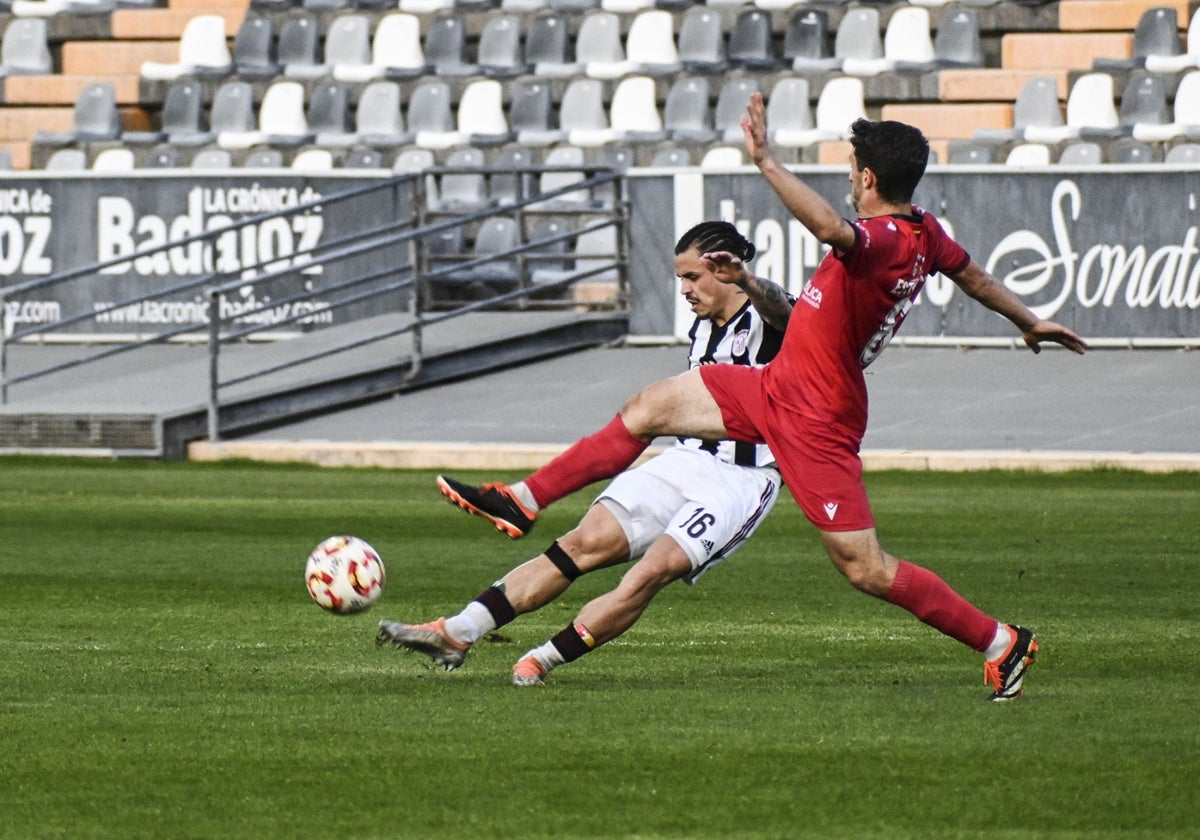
{"points": [[744, 340]]}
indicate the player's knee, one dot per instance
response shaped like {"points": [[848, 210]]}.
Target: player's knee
{"points": [[864, 576]]}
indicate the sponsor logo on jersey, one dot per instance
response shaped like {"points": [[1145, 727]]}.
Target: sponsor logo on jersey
{"points": [[811, 295], [831, 510]]}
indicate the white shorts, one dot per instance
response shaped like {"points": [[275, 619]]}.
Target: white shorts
{"points": [[708, 506]]}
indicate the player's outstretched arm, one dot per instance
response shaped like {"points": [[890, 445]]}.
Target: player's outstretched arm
{"points": [[993, 294], [801, 200], [766, 296]]}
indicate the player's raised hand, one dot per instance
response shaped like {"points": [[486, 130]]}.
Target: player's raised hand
{"points": [[754, 127], [724, 266], [1057, 333]]}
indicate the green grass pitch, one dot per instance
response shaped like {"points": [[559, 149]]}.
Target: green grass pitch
{"points": [[165, 674]]}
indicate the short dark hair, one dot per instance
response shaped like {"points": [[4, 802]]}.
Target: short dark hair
{"points": [[896, 152], [716, 236]]}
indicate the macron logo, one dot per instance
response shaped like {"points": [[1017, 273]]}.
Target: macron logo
{"points": [[831, 510]]}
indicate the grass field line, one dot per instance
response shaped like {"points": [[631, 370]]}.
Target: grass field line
{"points": [[516, 456]]}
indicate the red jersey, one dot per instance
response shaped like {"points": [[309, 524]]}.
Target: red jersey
{"points": [[848, 312]]}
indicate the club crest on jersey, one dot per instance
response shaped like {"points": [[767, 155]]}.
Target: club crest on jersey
{"points": [[741, 340]]}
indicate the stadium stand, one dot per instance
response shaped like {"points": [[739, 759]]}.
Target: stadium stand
{"points": [[957, 70]]}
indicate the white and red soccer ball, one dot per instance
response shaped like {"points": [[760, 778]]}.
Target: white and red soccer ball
{"points": [[344, 575]]}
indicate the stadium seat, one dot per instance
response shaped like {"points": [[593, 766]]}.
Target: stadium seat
{"points": [[598, 46], [481, 119], [425, 7], [281, 117], [396, 51], [1189, 58], [548, 46], [908, 41], [633, 114], [328, 114], [969, 153], [687, 116], [463, 191], [751, 41], [162, 158], [858, 45], [1128, 151], [232, 118], [625, 7], [25, 50], [67, 160], [263, 159], [348, 49], [790, 115], [731, 105], [253, 49], [54, 8], [182, 119], [313, 160], [582, 115], [1028, 154], [671, 157], [362, 159], [203, 51], [1186, 122], [838, 106], [958, 42], [378, 119], [1184, 153], [94, 118], [549, 245], [1091, 111], [113, 160], [212, 159], [297, 47], [806, 42], [416, 161], [1156, 33], [1037, 116], [650, 45], [495, 235], [594, 251], [445, 46], [500, 48], [702, 41], [429, 116], [722, 157], [531, 112], [507, 185], [1081, 153], [564, 156], [1144, 113]]}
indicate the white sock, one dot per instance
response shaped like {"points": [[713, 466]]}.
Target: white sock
{"points": [[1000, 642], [524, 496], [469, 625], [547, 655]]}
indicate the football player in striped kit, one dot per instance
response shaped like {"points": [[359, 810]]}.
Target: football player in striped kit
{"points": [[681, 513], [810, 402]]}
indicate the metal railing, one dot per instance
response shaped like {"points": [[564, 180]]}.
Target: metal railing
{"points": [[403, 268]]}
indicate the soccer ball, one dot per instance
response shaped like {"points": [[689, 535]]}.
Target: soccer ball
{"points": [[344, 575]]}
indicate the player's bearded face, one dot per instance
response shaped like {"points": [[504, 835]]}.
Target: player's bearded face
{"points": [[855, 182]]}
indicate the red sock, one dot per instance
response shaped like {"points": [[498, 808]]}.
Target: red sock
{"points": [[931, 599], [597, 456]]}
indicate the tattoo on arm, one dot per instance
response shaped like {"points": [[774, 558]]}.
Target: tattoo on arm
{"points": [[770, 300]]}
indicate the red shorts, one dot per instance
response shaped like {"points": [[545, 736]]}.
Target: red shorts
{"points": [[820, 465]]}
